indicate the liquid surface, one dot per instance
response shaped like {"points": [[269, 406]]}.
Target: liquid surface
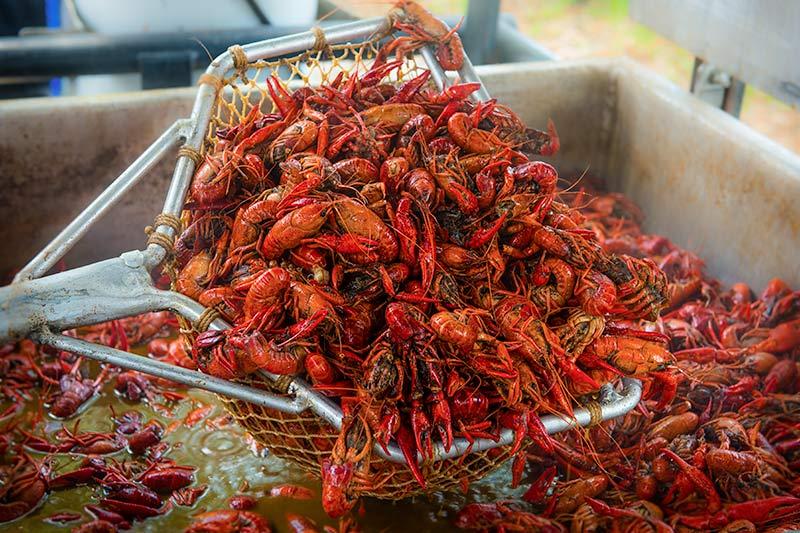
{"points": [[227, 463]]}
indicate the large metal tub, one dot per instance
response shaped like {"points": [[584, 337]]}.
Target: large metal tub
{"points": [[705, 180]]}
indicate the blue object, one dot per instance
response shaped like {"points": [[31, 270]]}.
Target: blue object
{"points": [[52, 15]]}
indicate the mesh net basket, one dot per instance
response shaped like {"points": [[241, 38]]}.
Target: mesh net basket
{"points": [[304, 438]]}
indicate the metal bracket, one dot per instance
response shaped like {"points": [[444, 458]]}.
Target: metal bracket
{"points": [[107, 290], [717, 87]]}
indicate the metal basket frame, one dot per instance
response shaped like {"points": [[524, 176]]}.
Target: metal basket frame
{"points": [[38, 307]]}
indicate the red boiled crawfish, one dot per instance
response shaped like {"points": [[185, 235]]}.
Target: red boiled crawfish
{"points": [[409, 260], [24, 486], [715, 444], [356, 257]]}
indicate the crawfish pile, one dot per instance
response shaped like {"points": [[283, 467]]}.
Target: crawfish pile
{"points": [[44, 451], [59, 382], [720, 448], [397, 246]]}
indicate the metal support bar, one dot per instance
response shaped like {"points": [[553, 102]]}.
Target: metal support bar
{"points": [[480, 29], [191, 378], [717, 87], [84, 53], [75, 53], [166, 69], [514, 47], [75, 230], [468, 74], [437, 72]]}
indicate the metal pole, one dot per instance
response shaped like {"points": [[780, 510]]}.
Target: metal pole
{"points": [[437, 72], [468, 74], [514, 47], [192, 378], [70, 54], [480, 29], [69, 236]]}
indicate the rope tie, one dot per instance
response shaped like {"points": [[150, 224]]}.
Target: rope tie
{"points": [[321, 42], [185, 328], [154, 237], [169, 220], [191, 153], [210, 79], [239, 58], [281, 384], [595, 413], [209, 315], [162, 240]]}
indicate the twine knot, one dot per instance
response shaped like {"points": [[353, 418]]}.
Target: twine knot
{"points": [[210, 79], [209, 315], [321, 42], [281, 384], [595, 413], [239, 58], [161, 239], [191, 153]]}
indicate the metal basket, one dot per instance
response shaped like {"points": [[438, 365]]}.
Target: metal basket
{"points": [[285, 414]]}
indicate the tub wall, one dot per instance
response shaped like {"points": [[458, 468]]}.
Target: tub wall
{"points": [[703, 179]]}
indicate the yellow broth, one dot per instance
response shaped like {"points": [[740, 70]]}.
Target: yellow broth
{"points": [[226, 462]]}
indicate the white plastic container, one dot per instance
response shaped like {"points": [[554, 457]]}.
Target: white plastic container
{"points": [[121, 17], [115, 17]]}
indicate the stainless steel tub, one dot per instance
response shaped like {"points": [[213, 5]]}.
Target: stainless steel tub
{"points": [[705, 180], [702, 178]]}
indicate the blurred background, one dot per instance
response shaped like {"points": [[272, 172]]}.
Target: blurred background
{"points": [[190, 31], [574, 29]]}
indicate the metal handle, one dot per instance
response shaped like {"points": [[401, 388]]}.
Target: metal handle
{"points": [[108, 290], [191, 378]]}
